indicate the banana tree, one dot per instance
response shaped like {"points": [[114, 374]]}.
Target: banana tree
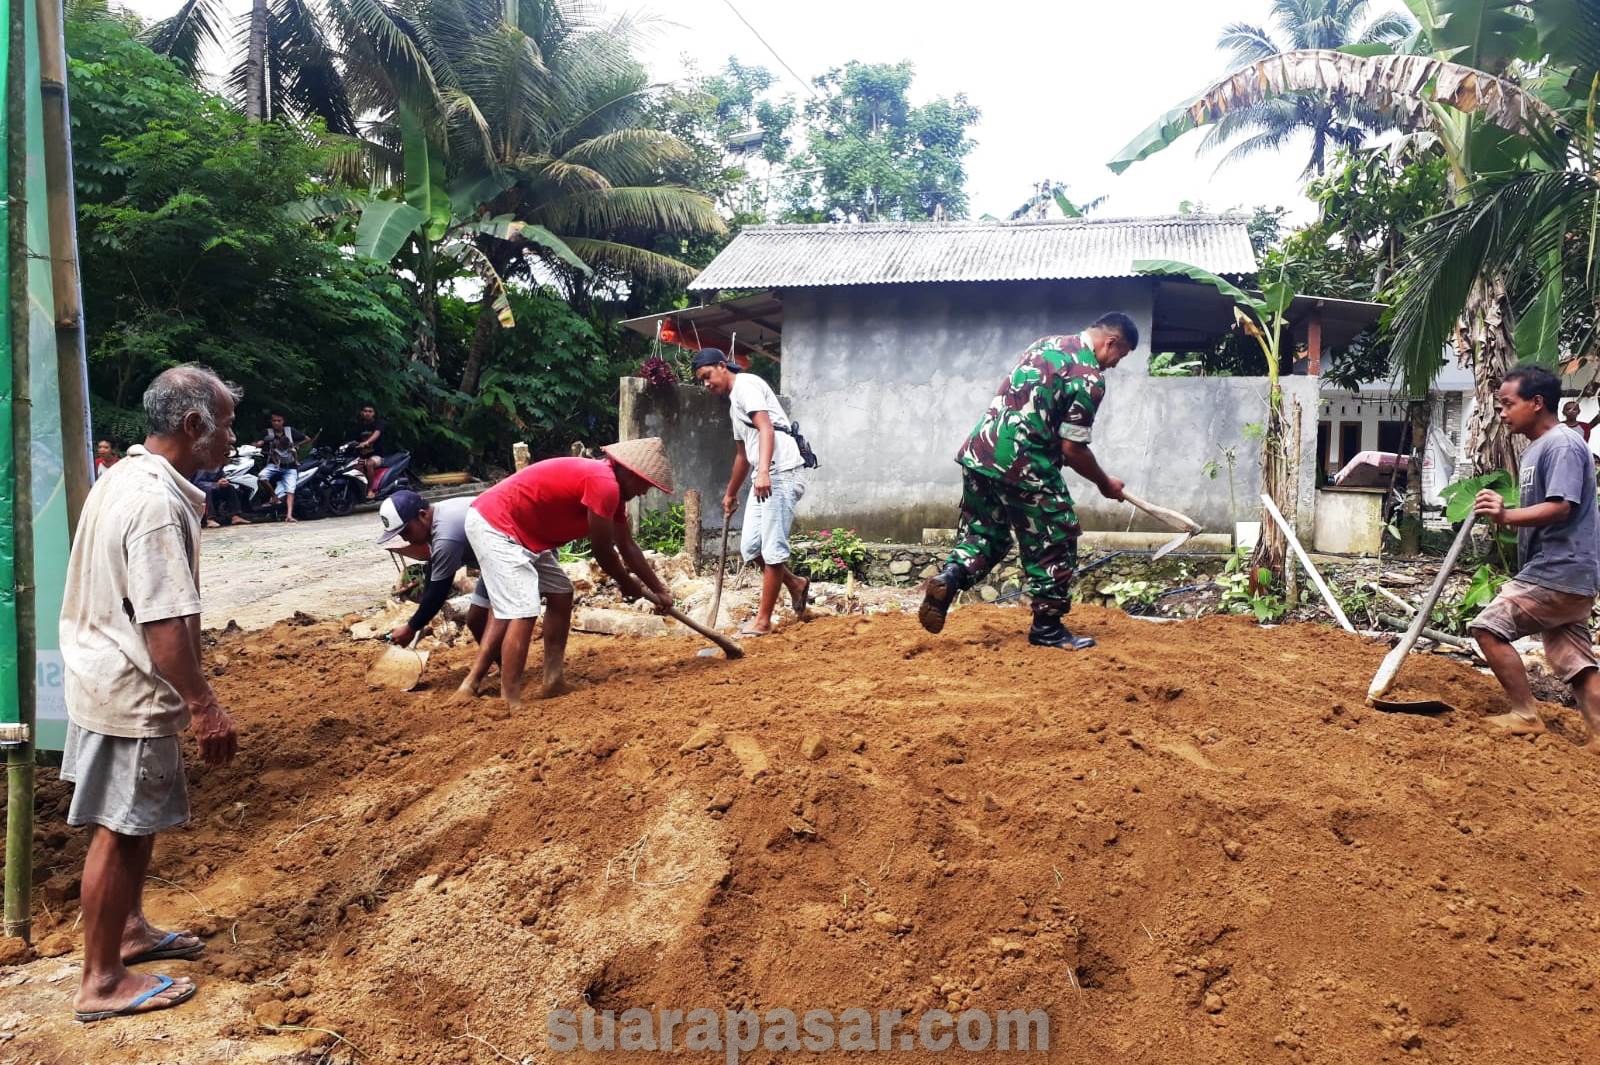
{"points": [[434, 220], [1263, 318], [1487, 125]]}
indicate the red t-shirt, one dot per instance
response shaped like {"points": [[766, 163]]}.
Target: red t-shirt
{"points": [[1580, 427], [548, 504]]}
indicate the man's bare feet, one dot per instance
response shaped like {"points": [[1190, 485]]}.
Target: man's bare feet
{"points": [[1514, 724], [464, 694], [116, 996], [238, 519], [554, 687], [213, 523]]}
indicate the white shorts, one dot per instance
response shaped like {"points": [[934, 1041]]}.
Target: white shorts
{"points": [[513, 576]]}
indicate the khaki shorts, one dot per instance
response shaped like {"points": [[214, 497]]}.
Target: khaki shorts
{"points": [[1561, 620]]}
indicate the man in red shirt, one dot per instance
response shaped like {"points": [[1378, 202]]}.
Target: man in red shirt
{"points": [[515, 528]]}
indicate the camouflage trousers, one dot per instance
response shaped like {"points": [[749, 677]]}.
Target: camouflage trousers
{"points": [[1046, 529]]}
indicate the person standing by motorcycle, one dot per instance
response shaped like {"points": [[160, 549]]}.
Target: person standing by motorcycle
{"points": [[369, 440], [436, 534], [283, 460]]}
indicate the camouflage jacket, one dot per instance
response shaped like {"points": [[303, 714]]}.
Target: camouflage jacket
{"points": [[1051, 395]]}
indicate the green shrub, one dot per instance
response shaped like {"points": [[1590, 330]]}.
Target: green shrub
{"points": [[829, 555], [661, 530]]}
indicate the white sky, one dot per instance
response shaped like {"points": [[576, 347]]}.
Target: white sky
{"points": [[1061, 85]]}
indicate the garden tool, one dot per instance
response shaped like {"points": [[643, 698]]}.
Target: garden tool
{"points": [[722, 572], [1186, 525], [729, 647], [398, 667], [1384, 680]]}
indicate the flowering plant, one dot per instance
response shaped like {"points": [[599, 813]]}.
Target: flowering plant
{"points": [[828, 555]]}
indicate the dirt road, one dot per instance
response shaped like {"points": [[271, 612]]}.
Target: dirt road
{"points": [[258, 574]]}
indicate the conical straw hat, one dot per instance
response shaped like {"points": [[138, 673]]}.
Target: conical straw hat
{"points": [[647, 457]]}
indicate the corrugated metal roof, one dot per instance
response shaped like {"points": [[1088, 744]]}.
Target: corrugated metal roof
{"points": [[885, 253]]}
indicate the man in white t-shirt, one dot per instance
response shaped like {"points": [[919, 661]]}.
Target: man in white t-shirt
{"points": [[130, 639], [766, 446]]}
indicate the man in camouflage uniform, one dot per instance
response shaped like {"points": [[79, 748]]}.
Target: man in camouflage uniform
{"points": [[1012, 479]]}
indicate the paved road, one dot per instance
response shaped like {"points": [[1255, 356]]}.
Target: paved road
{"points": [[259, 574]]}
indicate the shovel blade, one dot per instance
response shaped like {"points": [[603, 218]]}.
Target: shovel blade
{"points": [[1172, 545], [1412, 706], [399, 668]]}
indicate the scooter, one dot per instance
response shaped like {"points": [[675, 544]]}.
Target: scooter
{"points": [[243, 474], [349, 485]]}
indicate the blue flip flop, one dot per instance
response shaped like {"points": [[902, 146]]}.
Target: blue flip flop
{"points": [[163, 983], [163, 950]]}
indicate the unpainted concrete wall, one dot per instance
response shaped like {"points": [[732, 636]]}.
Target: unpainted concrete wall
{"points": [[886, 381]]}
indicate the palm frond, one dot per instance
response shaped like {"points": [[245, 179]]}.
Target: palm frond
{"points": [[629, 156], [1389, 29], [1247, 44], [632, 260], [195, 26], [1520, 220], [659, 208]]}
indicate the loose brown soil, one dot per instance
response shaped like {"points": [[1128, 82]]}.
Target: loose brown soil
{"points": [[1190, 844]]}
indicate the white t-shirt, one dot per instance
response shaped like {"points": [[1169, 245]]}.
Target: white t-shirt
{"points": [[136, 559], [750, 394]]}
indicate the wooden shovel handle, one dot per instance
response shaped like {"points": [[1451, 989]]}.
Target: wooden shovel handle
{"points": [[1181, 522], [729, 647], [1390, 669], [722, 572]]}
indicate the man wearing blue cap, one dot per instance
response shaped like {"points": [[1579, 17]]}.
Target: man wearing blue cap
{"points": [[436, 535], [765, 445]]}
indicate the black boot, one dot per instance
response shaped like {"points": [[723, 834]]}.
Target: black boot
{"points": [[937, 595], [1047, 631]]}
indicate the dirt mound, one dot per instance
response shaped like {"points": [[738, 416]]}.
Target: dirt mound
{"points": [[1190, 844]]}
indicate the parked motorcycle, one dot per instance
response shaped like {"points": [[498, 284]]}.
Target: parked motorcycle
{"points": [[348, 486]]}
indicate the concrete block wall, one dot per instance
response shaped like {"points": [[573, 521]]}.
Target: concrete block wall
{"points": [[887, 381]]}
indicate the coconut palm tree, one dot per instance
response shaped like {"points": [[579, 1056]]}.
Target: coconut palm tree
{"points": [[289, 63], [1521, 180], [1331, 120], [532, 112]]}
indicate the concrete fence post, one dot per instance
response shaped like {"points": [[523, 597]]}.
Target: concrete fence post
{"points": [[519, 455]]}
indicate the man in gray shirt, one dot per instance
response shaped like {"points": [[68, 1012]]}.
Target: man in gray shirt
{"points": [[436, 535], [1558, 549]]}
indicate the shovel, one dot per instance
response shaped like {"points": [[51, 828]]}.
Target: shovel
{"points": [[722, 572], [1390, 669], [1186, 525], [729, 647], [398, 667]]}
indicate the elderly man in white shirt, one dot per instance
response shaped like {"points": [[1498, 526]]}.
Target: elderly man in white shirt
{"points": [[130, 638]]}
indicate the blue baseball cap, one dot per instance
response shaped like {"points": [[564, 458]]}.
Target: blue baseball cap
{"points": [[398, 509]]}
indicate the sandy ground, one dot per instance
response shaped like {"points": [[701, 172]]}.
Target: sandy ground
{"points": [[1190, 844], [258, 574]]}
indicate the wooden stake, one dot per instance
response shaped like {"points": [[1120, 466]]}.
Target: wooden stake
{"points": [[1305, 560]]}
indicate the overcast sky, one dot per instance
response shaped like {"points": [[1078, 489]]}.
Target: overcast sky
{"points": [[1061, 86]]}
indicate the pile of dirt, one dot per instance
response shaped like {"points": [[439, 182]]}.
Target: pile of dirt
{"points": [[1192, 843]]}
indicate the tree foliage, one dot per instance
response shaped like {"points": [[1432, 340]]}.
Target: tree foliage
{"points": [[872, 155], [188, 252]]}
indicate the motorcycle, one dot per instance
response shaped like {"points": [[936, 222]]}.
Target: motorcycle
{"points": [[242, 471], [348, 486]]}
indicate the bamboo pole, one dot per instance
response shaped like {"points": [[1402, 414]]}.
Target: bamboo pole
{"points": [[19, 756], [72, 368]]}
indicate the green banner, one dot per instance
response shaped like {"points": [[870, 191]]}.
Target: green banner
{"points": [[8, 585], [51, 543]]}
